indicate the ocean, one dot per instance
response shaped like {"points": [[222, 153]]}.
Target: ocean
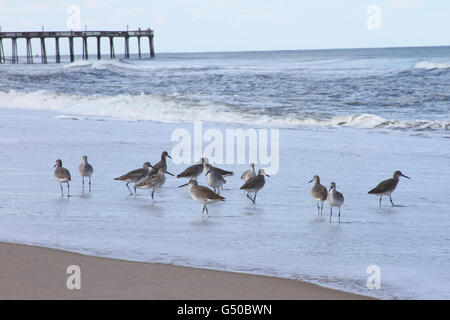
{"points": [[352, 116]]}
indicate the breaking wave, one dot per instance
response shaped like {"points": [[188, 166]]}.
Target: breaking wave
{"points": [[146, 107], [428, 65]]}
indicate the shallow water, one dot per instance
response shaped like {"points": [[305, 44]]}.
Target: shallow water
{"points": [[280, 235]]}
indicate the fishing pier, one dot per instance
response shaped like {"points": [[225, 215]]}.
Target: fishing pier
{"points": [[71, 35]]}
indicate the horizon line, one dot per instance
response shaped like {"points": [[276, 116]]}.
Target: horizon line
{"points": [[311, 49]]}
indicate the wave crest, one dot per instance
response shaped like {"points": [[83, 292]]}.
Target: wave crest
{"points": [[181, 109], [428, 65]]}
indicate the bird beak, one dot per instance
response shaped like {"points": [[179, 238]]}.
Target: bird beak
{"points": [[183, 185], [311, 181], [168, 173], [208, 172], [54, 166], [170, 157], [267, 175], [405, 176]]}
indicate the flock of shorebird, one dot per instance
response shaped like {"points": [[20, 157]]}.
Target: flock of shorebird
{"points": [[144, 178]]}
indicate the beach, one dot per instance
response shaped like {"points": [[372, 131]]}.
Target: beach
{"points": [[30, 272], [352, 117]]}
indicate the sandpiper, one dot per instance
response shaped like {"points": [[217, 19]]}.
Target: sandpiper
{"points": [[86, 170], [318, 192], [335, 199], [222, 172], [193, 171], [386, 187], [202, 194], [63, 176], [153, 182], [213, 178], [135, 176], [254, 184], [249, 173], [161, 164]]}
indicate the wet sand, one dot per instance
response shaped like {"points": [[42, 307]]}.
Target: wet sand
{"points": [[30, 272]]}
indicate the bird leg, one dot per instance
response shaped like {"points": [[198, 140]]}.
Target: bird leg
{"points": [[153, 192], [82, 178], [321, 208], [131, 193], [89, 184], [339, 214], [331, 212], [254, 199], [248, 196], [62, 192], [318, 208], [68, 189], [390, 199], [380, 200]]}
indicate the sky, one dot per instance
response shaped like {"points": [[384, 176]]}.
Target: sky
{"points": [[241, 25]]}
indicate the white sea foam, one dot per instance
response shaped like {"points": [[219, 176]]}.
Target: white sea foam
{"points": [[429, 65], [100, 64], [180, 109]]}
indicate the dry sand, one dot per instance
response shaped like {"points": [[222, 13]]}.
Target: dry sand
{"points": [[29, 272]]}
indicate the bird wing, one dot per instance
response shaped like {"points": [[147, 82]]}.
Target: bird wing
{"points": [[132, 174], [150, 181], [189, 170], [223, 172], [319, 191], [383, 186], [211, 195], [62, 173], [250, 183]]}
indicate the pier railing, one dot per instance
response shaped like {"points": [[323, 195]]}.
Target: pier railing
{"points": [[70, 35]]}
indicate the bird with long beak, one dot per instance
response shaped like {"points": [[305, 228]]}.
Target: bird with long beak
{"points": [[161, 164], [335, 199], [222, 172], [135, 176], [202, 194], [193, 171], [319, 193], [63, 176], [254, 184], [213, 178], [153, 182], [86, 170], [386, 187]]}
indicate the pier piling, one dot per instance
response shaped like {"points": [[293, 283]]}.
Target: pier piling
{"points": [[99, 52], [111, 48], [29, 51], [2, 53], [43, 51], [85, 50], [57, 54], [14, 55]]}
